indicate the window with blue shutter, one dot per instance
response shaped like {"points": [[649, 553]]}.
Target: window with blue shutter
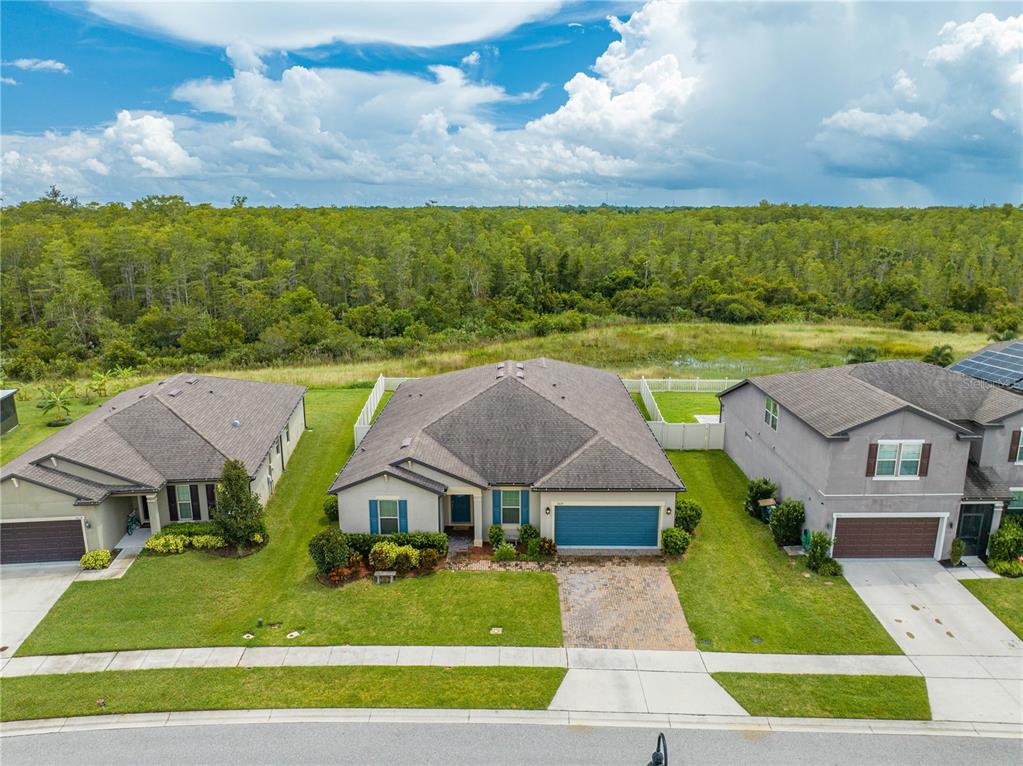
{"points": [[374, 523], [524, 517], [403, 516], [497, 507]]}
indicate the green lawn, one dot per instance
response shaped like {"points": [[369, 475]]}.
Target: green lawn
{"points": [[826, 696], [200, 599], [735, 584], [1004, 597], [641, 406], [32, 428], [380, 406], [683, 407], [146, 691]]}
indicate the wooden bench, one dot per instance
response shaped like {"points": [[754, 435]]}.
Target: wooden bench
{"points": [[389, 576]]}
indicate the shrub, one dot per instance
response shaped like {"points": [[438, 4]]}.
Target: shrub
{"points": [[817, 550], [757, 490], [1006, 544], [1012, 568], [258, 538], [330, 508], [504, 552], [382, 555], [787, 522], [830, 568], [533, 548], [548, 547], [166, 544], [329, 550], [495, 534], [362, 542], [528, 532], [239, 515], [956, 554], [675, 541], [406, 558], [687, 515], [429, 558], [97, 559], [204, 542], [185, 529], [421, 540]]}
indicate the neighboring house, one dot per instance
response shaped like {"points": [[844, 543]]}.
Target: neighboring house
{"points": [[999, 363], [8, 410], [891, 458], [158, 450], [556, 445]]}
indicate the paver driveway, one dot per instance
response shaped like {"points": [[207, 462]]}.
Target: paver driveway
{"points": [[621, 604]]}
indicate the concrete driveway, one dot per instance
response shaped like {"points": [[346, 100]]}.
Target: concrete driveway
{"points": [[27, 591]]}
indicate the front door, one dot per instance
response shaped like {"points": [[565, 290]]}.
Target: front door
{"points": [[143, 510], [974, 528], [461, 510]]}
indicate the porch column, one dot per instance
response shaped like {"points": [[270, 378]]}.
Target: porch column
{"points": [[477, 518], [154, 513]]}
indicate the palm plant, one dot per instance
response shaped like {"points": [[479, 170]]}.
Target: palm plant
{"points": [[942, 356], [99, 383], [60, 401], [1008, 334], [861, 354]]}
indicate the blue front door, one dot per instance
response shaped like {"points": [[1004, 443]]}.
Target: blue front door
{"points": [[604, 526], [460, 509]]}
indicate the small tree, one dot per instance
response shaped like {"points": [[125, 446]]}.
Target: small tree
{"points": [[757, 490], [59, 401], [787, 521], [239, 517], [941, 356], [861, 354]]}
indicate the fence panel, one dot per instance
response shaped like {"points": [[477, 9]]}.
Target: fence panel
{"points": [[648, 399], [362, 423]]}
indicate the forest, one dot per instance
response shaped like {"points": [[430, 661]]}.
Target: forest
{"points": [[163, 284]]}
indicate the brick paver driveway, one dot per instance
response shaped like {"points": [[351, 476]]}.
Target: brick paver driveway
{"points": [[621, 604]]}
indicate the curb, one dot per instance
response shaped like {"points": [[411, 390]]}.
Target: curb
{"points": [[509, 717]]}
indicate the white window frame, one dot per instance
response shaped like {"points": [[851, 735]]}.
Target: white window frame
{"points": [[505, 506], [771, 412], [287, 433], [1019, 451], [1009, 506], [187, 501], [899, 444], [381, 517]]}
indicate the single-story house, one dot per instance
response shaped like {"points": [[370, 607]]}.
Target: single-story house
{"points": [[893, 458], [8, 410], [556, 445], [158, 450]]}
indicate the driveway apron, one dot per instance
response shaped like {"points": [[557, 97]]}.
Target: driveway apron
{"points": [[27, 591]]}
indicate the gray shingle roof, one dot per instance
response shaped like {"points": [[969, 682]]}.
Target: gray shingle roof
{"points": [[175, 430], [984, 484], [559, 425]]}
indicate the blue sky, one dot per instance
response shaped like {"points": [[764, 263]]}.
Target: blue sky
{"points": [[537, 102]]}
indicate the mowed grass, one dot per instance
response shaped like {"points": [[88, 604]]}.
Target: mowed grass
{"points": [[829, 696], [147, 691], [735, 584], [200, 599], [1004, 597], [32, 428], [684, 407]]}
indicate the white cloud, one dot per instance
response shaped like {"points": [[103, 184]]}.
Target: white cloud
{"points": [[8, 81], [149, 140], [471, 60], [894, 125], [244, 56], [903, 85], [1004, 37], [257, 144], [39, 65]]}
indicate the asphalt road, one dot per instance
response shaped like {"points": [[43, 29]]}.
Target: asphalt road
{"points": [[389, 744]]}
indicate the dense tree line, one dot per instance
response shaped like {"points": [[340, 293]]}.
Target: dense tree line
{"points": [[162, 283]]}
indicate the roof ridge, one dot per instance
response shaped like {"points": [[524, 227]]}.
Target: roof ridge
{"points": [[119, 435], [568, 459], [188, 426]]}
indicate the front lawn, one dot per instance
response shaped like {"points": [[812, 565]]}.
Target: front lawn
{"points": [[829, 696], [684, 407], [736, 586], [1004, 597], [148, 691], [200, 599]]}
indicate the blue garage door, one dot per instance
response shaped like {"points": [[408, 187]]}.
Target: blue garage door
{"points": [[604, 526]]}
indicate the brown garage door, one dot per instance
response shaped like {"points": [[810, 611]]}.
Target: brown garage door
{"points": [[23, 542], [895, 537]]}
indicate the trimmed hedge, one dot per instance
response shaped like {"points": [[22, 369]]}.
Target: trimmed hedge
{"points": [[97, 559], [329, 550], [787, 522], [330, 508], [505, 552], [528, 532], [817, 550], [675, 541], [688, 514], [186, 529], [383, 555], [205, 542], [363, 542], [166, 544], [496, 535], [1006, 544]]}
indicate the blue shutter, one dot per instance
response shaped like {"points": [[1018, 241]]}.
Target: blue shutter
{"points": [[403, 515], [374, 521], [497, 507], [524, 509]]}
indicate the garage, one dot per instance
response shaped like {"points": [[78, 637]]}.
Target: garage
{"points": [[606, 526], [27, 542], [894, 537]]}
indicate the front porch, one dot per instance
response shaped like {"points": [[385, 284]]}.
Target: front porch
{"points": [[461, 512]]}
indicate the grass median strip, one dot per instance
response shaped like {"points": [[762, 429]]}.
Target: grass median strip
{"points": [[148, 691], [829, 696], [1004, 597]]}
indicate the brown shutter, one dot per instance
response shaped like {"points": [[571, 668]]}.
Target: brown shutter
{"points": [[172, 503], [1014, 446], [871, 459], [193, 491], [211, 499], [925, 459]]}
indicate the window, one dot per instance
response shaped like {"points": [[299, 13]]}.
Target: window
{"points": [[898, 459], [277, 446], [771, 413], [287, 433], [510, 506], [1016, 503], [184, 497], [387, 511], [1019, 452]]}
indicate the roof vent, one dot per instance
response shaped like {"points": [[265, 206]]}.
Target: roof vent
{"points": [[174, 392], [237, 423], [406, 442], [192, 380], [500, 365], [520, 365], [520, 374]]}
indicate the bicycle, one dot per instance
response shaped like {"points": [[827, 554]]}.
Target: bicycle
{"points": [[133, 522]]}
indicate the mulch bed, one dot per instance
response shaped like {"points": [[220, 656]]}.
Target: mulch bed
{"points": [[346, 575]]}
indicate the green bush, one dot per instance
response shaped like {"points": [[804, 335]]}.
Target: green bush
{"points": [[956, 554], [533, 549], [817, 550], [528, 532], [239, 516], [329, 550], [688, 514], [547, 547], [406, 558], [787, 522], [186, 529], [505, 552], [166, 544], [429, 558], [830, 568], [97, 559], [675, 541], [758, 489], [1012, 568], [421, 540], [496, 535], [330, 508], [383, 555], [1006, 544], [362, 542], [205, 542]]}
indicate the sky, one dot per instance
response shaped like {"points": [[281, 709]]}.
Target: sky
{"points": [[541, 102]]}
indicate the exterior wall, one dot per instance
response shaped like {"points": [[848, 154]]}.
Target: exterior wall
{"points": [[994, 451], [296, 427], [551, 500], [511, 531], [259, 484], [164, 507], [353, 504], [91, 473]]}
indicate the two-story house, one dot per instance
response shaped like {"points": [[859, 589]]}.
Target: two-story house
{"points": [[893, 459]]}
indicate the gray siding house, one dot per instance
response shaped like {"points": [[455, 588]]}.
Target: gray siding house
{"points": [[555, 445], [891, 458], [157, 450]]}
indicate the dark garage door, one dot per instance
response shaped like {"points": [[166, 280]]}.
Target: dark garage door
{"points": [[23, 542], [604, 526], [903, 537]]}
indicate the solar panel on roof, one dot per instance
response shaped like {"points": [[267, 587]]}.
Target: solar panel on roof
{"points": [[1003, 367]]}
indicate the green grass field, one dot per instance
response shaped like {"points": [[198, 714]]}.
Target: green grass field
{"points": [[684, 407], [735, 584], [146, 691], [828, 696], [200, 599], [32, 428], [1004, 597]]}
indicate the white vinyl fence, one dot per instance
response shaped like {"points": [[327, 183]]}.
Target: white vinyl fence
{"points": [[681, 435], [365, 419]]}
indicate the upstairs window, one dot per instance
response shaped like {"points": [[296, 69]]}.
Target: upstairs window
{"points": [[771, 413], [1016, 503], [898, 458], [510, 506]]}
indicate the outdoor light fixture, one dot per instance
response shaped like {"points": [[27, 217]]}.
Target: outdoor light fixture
{"points": [[547, 510], [667, 511], [88, 524]]}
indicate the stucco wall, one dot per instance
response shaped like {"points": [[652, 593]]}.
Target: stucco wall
{"points": [[995, 450], [87, 473], [353, 504], [296, 427], [107, 522]]}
